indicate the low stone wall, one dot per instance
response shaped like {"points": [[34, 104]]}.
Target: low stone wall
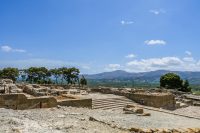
{"points": [[21, 102], [162, 100], [85, 103]]}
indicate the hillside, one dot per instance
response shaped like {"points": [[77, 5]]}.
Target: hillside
{"points": [[142, 77]]}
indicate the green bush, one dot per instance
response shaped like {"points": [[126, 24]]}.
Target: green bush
{"points": [[173, 81]]}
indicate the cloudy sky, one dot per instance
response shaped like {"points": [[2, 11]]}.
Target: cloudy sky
{"points": [[98, 36]]}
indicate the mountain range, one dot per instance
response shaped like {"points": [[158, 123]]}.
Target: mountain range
{"points": [[152, 76]]}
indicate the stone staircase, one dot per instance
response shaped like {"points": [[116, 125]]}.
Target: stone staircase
{"points": [[111, 103]]}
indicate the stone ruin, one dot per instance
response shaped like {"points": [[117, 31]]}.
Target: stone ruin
{"points": [[7, 86], [154, 98], [29, 96], [159, 98]]}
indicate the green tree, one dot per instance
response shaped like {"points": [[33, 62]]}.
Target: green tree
{"points": [[83, 81], [10, 73], [38, 75], [171, 81], [70, 75], [56, 73], [1, 73], [186, 86]]}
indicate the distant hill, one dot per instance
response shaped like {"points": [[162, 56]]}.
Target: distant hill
{"points": [[119, 74], [151, 77]]}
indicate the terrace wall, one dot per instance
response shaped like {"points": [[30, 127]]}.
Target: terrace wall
{"points": [[21, 102], [166, 101], [85, 103]]}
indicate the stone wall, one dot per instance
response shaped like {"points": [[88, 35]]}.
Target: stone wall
{"points": [[158, 100], [21, 102], [86, 103]]}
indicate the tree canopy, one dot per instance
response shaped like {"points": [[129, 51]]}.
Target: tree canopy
{"points": [[83, 81], [174, 81], [42, 75], [9, 73]]}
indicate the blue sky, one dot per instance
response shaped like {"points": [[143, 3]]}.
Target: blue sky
{"points": [[103, 35]]}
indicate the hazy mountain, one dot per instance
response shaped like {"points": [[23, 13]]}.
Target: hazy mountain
{"points": [[152, 76]]}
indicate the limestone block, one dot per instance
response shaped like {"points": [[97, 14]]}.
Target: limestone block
{"points": [[138, 110]]}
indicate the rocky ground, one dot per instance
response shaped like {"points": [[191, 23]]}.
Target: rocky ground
{"points": [[64, 120], [78, 120], [191, 111]]}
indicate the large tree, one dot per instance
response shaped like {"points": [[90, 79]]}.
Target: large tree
{"points": [[56, 73], [71, 75], [10, 73], [83, 81], [38, 75], [186, 86], [171, 81]]}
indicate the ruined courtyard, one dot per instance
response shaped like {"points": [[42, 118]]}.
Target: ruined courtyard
{"points": [[58, 109]]}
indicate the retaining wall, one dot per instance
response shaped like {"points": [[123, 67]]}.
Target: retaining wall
{"points": [[21, 102], [166, 101], [86, 103]]}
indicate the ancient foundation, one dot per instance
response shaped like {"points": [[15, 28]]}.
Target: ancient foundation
{"points": [[21, 102], [164, 100], [158, 100]]}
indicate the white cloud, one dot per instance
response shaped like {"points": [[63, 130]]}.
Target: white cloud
{"points": [[113, 67], [157, 11], [165, 63], [130, 56], [188, 53], [7, 48], [188, 59], [155, 42], [123, 22], [156, 62]]}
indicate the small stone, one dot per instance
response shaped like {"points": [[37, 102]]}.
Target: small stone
{"points": [[135, 130], [68, 127], [58, 128], [92, 119], [61, 116], [144, 114], [59, 107], [16, 130], [82, 119], [139, 111], [146, 131], [195, 130]]}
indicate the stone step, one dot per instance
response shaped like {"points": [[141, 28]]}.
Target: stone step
{"points": [[110, 99], [109, 107], [111, 103], [197, 104]]}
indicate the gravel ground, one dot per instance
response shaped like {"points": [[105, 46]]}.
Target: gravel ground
{"points": [[191, 111], [76, 120], [156, 120], [64, 120]]}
